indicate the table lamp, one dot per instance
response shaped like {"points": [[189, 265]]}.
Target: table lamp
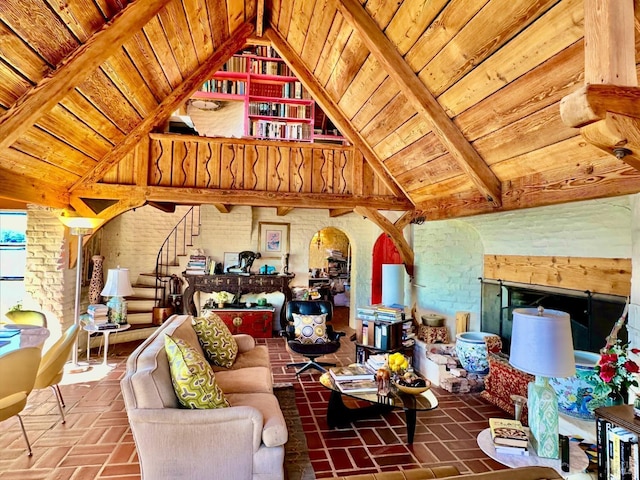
{"points": [[117, 287], [542, 345]]}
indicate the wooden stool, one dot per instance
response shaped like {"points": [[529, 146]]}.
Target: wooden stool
{"points": [[433, 334]]}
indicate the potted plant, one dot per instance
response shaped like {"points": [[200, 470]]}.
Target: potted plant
{"points": [[615, 373]]}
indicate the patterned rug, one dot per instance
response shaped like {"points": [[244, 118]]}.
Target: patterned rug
{"points": [[296, 458]]}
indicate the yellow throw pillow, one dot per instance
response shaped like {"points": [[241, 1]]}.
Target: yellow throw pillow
{"points": [[310, 328], [216, 340], [192, 377]]}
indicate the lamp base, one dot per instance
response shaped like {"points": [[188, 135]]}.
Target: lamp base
{"points": [[543, 418], [117, 310]]}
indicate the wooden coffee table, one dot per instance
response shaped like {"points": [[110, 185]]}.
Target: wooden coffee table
{"points": [[339, 414]]}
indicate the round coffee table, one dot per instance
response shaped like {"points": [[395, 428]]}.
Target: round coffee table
{"points": [[339, 414], [578, 459]]}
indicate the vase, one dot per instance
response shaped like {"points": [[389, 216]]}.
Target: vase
{"points": [[97, 280], [471, 348], [614, 398]]}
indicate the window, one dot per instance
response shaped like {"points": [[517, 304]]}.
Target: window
{"points": [[13, 257]]}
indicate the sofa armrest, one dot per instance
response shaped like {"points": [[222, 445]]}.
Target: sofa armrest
{"points": [[245, 342], [244, 424]]}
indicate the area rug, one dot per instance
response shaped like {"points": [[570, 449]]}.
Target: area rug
{"points": [[297, 464]]}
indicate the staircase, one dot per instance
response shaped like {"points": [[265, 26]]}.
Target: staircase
{"points": [[152, 289]]}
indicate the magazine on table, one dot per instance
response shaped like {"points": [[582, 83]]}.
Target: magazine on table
{"points": [[357, 386], [351, 372]]}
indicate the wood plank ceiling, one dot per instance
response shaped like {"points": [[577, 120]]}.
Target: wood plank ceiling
{"points": [[456, 101]]}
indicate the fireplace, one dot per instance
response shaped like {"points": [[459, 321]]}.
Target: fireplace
{"points": [[592, 315]]}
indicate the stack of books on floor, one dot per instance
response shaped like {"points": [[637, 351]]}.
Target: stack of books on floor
{"points": [[354, 378], [509, 436], [97, 312]]}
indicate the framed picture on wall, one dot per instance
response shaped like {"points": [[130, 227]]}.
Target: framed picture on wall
{"points": [[230, 260], [273, 239]]}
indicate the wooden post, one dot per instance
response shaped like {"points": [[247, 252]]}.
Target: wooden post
{"points": [[462, 321]]}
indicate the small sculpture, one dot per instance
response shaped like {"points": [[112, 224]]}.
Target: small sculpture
{"points": [[245, 261], [284, 264]]}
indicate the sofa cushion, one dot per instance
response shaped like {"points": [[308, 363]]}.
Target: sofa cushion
{"points": [[246, 380], [216, 340], [310, 328], [256, 357], [274, 428], [193, 380]]}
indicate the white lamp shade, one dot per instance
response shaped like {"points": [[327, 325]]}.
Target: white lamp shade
{"points": [[542, 344], [393, 284], [118, 284]]}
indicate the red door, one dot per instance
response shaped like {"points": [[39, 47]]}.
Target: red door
{"points": [[384, 251]]}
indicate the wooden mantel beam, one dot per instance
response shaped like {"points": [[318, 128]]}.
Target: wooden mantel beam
{"points": [[606, 108], [395, 234], [421, 98], [53, 88], [169, 104], [331, 108]]}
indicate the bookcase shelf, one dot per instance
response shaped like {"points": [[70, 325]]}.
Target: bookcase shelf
{"points": [[276, 105]]}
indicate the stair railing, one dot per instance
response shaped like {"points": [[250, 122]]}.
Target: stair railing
{"points": [[174, 245]]}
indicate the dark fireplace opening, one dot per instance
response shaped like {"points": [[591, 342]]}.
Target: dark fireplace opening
{"points": [[592, 315]]}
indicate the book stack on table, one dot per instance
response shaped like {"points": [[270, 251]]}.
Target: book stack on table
{"points": [[354, 378], [509, 436]]}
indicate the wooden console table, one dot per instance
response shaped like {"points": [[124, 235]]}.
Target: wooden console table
{"points": [[236, 284]]}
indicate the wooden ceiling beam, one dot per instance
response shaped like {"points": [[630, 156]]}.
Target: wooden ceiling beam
{"points": [[332, 110], [422, 99], [84, 60], [31, 190], [169, 104], [606, 108], [222, 207], [283, 211], [338, 212], [198, 196], [395, 234]]}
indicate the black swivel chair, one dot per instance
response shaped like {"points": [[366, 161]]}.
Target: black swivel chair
{"points": [[311, 350]]}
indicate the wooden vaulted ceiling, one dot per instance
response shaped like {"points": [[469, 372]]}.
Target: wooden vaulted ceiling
{"points": [[454, 104]]}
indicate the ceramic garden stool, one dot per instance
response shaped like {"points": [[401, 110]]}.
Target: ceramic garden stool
{"points": [[472, 349]]}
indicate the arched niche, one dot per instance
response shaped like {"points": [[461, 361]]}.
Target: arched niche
{"points": [[330, 263]]}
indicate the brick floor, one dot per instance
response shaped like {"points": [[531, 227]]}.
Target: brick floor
{"points": [[95, 442]]}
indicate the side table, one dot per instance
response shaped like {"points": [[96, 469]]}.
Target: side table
{"points": [[93, 328], [578, 459]]}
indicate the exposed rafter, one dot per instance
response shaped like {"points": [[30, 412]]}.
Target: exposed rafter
{"points": [[426, 104], [395, 234], [222, 207], [198, 196], [30, 190], [338, 212], [44, 96], [283, 211], [331, 108], [169, 104]]}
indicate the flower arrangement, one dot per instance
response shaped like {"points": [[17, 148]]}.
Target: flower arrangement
{"points": [[615, 372], [218, 298]]}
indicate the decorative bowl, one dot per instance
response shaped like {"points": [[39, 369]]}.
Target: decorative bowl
{"points": [[413, 390], [433, 320]]}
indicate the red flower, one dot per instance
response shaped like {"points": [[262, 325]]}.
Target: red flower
{"points": [[608, 358], [631, 366], [635, 351], [607, 372]]}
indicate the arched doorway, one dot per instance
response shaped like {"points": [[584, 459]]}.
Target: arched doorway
{"points": [[330, 265], [384, 251]]}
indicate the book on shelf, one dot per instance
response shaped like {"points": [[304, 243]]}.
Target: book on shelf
{"points": [[357, 386], [508, 432], [351, 372]]}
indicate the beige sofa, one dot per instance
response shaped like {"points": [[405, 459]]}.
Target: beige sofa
{"points": [[243, 442], [450, 472]]}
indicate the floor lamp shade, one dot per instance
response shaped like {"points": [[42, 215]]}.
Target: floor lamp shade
{"points": [[393, 284], [117, 287], [542, 345]]}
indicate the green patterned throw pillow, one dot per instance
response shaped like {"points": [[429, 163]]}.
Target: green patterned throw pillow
{"points": [[192, 377], [310, 328], [216, 340]]}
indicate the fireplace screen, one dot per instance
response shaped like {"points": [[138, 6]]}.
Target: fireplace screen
{"points": [[592, 315]]}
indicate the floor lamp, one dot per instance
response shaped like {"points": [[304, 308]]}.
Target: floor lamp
{"points": [[79, 226]]}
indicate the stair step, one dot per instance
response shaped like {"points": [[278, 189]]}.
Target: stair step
{"points": [[153, 274]]}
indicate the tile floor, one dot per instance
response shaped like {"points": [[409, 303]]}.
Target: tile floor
{"points": [[95, 442]]}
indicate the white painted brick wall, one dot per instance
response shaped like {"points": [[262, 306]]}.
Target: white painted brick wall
{"points": [[133, 239]]}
